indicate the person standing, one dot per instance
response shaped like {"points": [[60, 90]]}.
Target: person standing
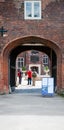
{"points": [[19, 76], [29, 74]]}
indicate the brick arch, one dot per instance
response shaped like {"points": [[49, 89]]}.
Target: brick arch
{"points": [[28, 43], [30, 40]]}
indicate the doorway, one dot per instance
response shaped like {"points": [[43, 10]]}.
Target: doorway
{"points": [[31, 43]]}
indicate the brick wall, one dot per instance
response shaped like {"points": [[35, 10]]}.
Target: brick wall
{"points": [[50, 27]]}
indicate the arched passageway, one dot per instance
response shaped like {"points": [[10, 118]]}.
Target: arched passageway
{"points": [[14, 48]]}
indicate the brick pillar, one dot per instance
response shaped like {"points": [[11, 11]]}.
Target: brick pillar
{"points": [[3, 78], [59, 73], [62, 71]]}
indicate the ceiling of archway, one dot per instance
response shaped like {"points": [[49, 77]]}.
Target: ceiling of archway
{"points": [[28, 43], [20, 49]]}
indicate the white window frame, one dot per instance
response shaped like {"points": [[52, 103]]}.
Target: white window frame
{"points": [[21, 61], [45, 58], [32, 11]]}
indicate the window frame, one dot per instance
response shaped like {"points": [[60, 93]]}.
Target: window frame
{"points": [[45, 58], [21, 61], [32, 11]]}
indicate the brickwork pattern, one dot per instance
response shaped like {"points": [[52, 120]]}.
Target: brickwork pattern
{"points": [[50, 27]]}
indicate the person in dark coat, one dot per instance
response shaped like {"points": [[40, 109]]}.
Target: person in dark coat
{"points": [[19, 76]]}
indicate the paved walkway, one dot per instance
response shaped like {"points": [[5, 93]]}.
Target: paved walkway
{"points": [[38, 84], [31, 111], [24, 88], [31, 123]]}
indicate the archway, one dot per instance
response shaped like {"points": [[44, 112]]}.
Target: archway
{"points": [[17, 46]]}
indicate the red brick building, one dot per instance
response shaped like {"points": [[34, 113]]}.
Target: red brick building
{"points": [[33, 60], [31, 25]]}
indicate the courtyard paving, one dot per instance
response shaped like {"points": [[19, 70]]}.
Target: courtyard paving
{"points": [[23, 110]]}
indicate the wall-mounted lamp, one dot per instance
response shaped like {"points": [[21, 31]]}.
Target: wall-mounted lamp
{"points": [[2, 31]]}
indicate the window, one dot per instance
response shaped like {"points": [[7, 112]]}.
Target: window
{"points": [[45, 59], [20, 62], [34, 58], [32, 9]]}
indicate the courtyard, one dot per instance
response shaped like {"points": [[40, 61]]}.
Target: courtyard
{"points": [[27, 111]]}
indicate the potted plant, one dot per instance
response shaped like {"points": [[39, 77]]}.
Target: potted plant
{"points": [[46, 70], [23, 70]]}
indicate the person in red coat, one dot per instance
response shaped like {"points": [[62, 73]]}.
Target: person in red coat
{"points": [[29, 73]]}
